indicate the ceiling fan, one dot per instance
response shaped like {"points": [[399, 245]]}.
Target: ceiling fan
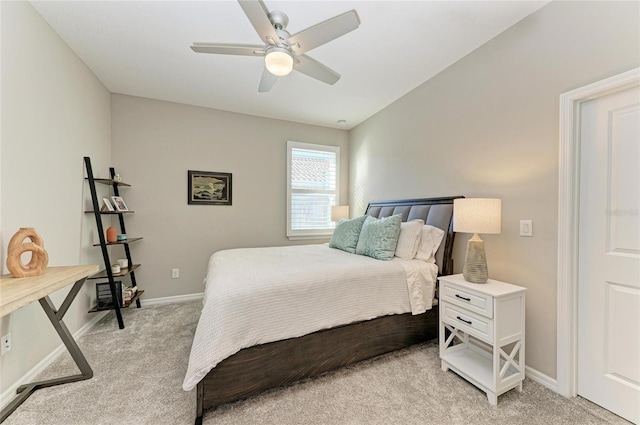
{"points": [[282, 51]]}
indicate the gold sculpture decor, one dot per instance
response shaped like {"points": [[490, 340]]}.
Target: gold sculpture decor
{"points": [[18, 246]]}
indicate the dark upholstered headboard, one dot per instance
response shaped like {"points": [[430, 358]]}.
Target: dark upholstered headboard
{"points": [[437, 212]]}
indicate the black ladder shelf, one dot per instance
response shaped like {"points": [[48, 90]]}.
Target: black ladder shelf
{"points": [[107, 273]]}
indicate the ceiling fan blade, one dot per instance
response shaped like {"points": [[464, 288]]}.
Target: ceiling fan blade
{"points": [[315, 69], [267, 81], [229, 49], [324, 32], [257, 13]]}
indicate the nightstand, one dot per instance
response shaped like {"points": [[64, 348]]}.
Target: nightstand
{"points": [[482, 333]]}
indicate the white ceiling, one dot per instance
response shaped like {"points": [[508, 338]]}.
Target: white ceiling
{"points": [[141, 48]]}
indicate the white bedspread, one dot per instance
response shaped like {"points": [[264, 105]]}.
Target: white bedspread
{"points": [[260, 295]]}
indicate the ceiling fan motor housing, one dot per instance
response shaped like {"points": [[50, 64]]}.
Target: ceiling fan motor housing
{"points": [[278, 19]]}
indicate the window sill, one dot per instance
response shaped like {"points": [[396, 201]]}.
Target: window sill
{"points": [[308, 237]]}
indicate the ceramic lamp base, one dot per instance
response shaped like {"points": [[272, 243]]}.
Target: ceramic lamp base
{"points": [[475, 263]]}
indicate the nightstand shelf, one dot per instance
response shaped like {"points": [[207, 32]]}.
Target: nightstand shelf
{"points": [[476, 359], [482, 333]]}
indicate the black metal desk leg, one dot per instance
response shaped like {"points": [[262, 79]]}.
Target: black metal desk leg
{"points": [[24, 391]]}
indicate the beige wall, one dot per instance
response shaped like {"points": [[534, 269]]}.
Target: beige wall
{"points": [[488, 127], [54, 112], [155, 143]]}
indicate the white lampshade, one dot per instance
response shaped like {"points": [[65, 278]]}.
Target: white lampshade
{"points": [[278, 61], [339, 212], [477, 215]]}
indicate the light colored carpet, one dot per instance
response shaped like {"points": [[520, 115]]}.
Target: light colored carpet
{"points": [[139, 371]]}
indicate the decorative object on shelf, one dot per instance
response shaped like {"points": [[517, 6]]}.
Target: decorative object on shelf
{"points": [[119, 204], [112, 234], [338, 212], [106, 205], [476, 215], [17, 246], [104, 298], [129, 293], [117, 178], [115, 268], [209, 188], [121, 238], [123, 263]]}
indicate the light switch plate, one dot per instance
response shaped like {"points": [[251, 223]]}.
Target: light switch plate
{"points": [[526, 228]]}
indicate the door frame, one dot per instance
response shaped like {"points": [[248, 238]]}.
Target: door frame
{"points": [[568, 222]]}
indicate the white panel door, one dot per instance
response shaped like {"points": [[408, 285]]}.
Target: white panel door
{"points": [[609, 259]]}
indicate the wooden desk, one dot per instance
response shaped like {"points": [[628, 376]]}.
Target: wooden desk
{"points": [[18, 292]]}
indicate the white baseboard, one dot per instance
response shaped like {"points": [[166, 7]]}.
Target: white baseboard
{"points": [[541, 378], [174, 299], [10, 392]]}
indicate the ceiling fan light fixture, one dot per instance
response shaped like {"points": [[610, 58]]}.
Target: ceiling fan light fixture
{"points": [[279, 61]]}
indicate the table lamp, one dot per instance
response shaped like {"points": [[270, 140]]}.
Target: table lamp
{"points": [[476, 215], [338, 212]]}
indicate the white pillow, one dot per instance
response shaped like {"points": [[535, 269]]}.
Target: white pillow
{"points": [[409, 239], [429, 243]]}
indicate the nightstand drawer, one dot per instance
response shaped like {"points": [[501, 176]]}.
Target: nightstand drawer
{"points": [[471, 323], [475, 302]]}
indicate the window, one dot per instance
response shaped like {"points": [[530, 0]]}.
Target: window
{"points": [[312, 189]]}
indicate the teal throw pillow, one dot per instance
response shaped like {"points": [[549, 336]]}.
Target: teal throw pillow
{"points": [[346, 234], [379, 237]]}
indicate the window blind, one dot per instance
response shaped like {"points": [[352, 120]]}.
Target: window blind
{"points": [[313, 189]]}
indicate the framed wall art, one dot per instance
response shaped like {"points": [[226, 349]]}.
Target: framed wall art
{"points": [[209, 188]]}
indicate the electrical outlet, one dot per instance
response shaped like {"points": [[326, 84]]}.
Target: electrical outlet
{"points": [[175, 273], [6, 344]]}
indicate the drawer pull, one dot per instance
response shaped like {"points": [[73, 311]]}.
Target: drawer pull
{"points": [[463, 298], [468, 322]]}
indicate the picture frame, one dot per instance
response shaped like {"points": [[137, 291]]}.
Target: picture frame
{"points": [[209, 188], [106, 205], [119, 204]]}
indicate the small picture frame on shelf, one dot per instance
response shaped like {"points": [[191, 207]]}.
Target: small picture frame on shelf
{"points": [[119, 204], [106, 205]]}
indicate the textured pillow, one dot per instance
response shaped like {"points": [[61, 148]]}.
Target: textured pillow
{"points": [[378, 238], [429, 243], [409, 239], [346, 234]]}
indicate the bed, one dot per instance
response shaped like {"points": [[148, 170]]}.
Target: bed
{"points": [[269, 360]]}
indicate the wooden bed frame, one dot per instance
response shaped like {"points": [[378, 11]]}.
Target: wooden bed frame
{"points": [[256, 369]]}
